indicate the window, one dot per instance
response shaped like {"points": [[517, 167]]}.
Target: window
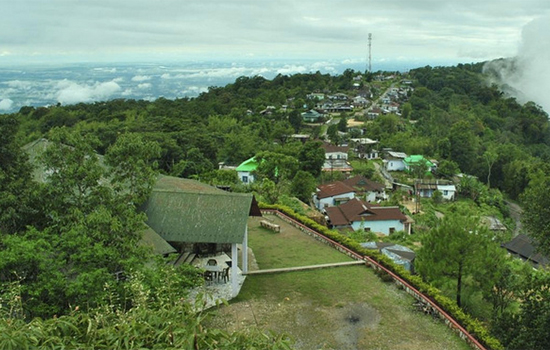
{"points": [[392, 230], [445, 193], [245, 179]]}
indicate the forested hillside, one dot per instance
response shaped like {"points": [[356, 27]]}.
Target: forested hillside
{"points": [[451, 115]]}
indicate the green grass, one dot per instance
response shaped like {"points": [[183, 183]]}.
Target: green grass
{"points": [[313, 306]]}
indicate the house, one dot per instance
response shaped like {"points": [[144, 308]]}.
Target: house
{"points": [[395, 161], [315, 96], [246, 169], [201, 219], [312, 116], [426, 188], [332, 194], [365, 148], [374, 112], [400, 255], [336, 159], [418, 160], [369, 190], [358, 214], [335, 152], [360, 101], [523, 247]]}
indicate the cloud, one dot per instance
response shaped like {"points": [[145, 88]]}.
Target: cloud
{"points": [[130, 29], [144, 86], [70, 92], [141, 78], [6, 104], [527, 76]]}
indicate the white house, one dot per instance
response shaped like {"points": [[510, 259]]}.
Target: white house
{"points": [[329, 195], [395, 161], [358, 214], [426, 188]]}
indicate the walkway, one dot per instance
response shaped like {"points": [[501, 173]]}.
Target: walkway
{"points": [[303, 268]]}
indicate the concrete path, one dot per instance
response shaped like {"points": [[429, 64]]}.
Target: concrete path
{"points": [[302, 268]]}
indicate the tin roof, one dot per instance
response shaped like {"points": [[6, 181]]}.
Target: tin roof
{"points": [[248, 165]]}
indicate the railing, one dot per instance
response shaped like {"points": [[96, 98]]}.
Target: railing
{"points": [[433, 307]]}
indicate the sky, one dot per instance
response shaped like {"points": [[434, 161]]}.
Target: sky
{"points": [[424, 31]]}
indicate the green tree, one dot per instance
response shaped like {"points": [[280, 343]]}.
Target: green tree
{"points": [[536, 211], [406, 110], [17, 191], [452, 250], [91, 230], [303, 186], [132, 161], [528, 329], [295, 119], [312, 157]]}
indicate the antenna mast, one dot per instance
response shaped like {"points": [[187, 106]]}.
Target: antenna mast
{"points": [[370, 44]]}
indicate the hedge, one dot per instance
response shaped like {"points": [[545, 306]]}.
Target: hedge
{"points": [[472, 325]]}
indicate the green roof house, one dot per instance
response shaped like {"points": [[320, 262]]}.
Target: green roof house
{"points": [[311, 116], [415, 160], [188, 213], [245, 170]]}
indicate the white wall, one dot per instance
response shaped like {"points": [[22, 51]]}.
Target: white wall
{"points": [[379, 226], [336, 155], [395, 165], [245, 175], [329, 201]]}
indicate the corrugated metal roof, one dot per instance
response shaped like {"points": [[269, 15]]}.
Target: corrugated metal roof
{"points": [[248, 165]]}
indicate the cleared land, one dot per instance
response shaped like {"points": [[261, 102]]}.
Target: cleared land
{"points": [[335, 308]]}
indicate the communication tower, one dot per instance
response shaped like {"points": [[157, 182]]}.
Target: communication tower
{"points": [[370, 44]]}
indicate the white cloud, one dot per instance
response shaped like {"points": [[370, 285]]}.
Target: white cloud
{"points": [[6, 104], [144, 86], [528, 74], [141, 78], [70, 92]]}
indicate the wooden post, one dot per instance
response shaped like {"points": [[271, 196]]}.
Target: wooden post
{"points": [[234, 269], [245, 251]]}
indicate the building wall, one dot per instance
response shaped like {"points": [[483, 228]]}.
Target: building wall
{"points": [[246, 177], [329, 201], [379, 226], [395, 165], [336, 155]]}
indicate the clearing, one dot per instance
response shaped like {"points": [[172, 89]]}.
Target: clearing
{"points": [[333, 308]]}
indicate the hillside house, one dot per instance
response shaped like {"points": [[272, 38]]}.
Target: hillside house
{"points": [[246, 170], [332, 194], [336, 159], [312, 116], [365, 148], [394, 161], [367, 189], [417, 160], [358, 214], [522, 247], [426, 188], [177, 210]]}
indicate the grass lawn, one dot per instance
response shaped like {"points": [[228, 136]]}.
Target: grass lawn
{"points": [[335, 308]]}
